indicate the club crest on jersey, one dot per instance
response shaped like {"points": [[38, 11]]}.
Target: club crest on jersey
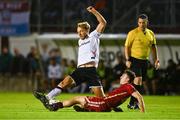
{"points": [[94, 54]]}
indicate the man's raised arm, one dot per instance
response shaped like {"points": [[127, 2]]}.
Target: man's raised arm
{"points": [[102, 22]]}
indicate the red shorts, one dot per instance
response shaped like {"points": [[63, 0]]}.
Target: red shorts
{"points": [[96, 104]]}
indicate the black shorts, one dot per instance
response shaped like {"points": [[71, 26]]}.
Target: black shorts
{"points": [[139, 67], [86, 74]]}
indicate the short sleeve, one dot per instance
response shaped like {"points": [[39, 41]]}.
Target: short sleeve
{"points": [[153, 37], [129, 39], [95, 34], [131, 89]]}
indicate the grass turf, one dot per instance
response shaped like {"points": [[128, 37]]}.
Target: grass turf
{"points": [[23, 106]]}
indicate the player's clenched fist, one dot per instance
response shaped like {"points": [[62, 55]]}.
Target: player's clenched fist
{"points": [[128, 64], [91, 9]]}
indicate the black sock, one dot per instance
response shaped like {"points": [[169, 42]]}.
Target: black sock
{"points": [[59, 88], [56, 106], [59, 104], [133, 100]]}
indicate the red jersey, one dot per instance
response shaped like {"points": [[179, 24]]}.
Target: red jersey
{"points": [[119, 95], [113, 99]]}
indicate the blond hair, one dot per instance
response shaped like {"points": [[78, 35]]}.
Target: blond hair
{"points": [[84, 25]]}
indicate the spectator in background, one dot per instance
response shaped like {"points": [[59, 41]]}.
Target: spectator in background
{"points": [[45, 57], [64, 65], [17, 64], [33, 59], [155, 82], [5, 61], [55, 53], [45, 62], [108, 75], [177, 74], [170, 77], [119, 67], [54, 73], [150, 80], [118, 70], [101, 72], [32, 52]]}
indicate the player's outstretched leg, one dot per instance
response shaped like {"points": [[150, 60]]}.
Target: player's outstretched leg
{"points": [[40, 96]]}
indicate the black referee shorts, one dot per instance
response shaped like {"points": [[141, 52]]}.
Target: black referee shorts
{"points": [[139, 67], [86, 74]]}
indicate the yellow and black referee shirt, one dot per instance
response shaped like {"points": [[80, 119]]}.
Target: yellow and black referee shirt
{"points": [[140, 43]]}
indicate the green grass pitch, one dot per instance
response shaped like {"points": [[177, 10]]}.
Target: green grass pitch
{"points": [[23, 106]]}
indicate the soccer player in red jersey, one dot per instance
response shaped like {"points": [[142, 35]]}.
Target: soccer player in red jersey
{"points": [[105, 104]]}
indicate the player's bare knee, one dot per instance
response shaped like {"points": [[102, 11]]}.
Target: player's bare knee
{"points": [[98, 91], [67, 82], [80, 99]]}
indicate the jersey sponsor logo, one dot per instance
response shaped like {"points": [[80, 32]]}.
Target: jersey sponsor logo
{"points": [[84, 43]]}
